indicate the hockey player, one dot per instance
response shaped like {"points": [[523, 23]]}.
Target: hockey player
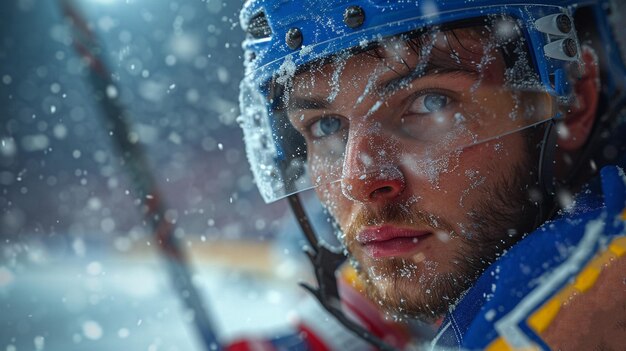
{"points": [[469, 154]]}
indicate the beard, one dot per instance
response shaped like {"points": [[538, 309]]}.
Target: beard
{"points": [[418, 288]]}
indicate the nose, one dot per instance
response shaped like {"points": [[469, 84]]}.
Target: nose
{"points": [[370, 173]]}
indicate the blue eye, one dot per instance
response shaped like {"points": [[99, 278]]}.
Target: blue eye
{"points": [[429, 103], [325, 126]]}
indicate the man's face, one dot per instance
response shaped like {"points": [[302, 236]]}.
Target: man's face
{"points": [[416, 169]]}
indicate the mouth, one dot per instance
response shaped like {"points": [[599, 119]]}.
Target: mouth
{"points": [[389, 241]]}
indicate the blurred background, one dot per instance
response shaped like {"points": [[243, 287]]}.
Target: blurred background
{"points": [[80, 266]]}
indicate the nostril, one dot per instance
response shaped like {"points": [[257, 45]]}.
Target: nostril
{"points": [[381, 192], [377, 185]]}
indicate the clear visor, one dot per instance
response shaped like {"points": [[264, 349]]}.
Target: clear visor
{"points": [[409, 102]]}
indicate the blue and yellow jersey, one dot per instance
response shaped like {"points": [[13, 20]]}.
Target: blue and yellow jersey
{"points": [[548, 287]]}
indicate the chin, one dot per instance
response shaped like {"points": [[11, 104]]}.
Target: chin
{"points": [[405, 289]]}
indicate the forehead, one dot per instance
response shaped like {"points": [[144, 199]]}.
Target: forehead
{"points": [[469, 50]]}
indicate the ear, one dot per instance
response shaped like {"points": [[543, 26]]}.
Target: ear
{"points": [[579, 118]]}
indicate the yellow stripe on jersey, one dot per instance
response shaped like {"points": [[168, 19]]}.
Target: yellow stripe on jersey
{"points": [[541, 318], [501, 345], [618, 246]]}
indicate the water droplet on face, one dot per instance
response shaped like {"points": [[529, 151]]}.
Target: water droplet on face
{"points": [[442, 236], [419, 257]]}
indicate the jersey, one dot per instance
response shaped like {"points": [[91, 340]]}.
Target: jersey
{"points": [[548, 284]]}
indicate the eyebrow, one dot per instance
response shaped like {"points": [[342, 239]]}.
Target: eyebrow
{"points": [[307, 103], [394, 84], [388, 86]]}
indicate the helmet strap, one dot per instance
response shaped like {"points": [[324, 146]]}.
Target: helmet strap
{"points": [[546, 181], [325, 264]]}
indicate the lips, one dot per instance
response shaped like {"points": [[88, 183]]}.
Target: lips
{"points": [[390, 241]]}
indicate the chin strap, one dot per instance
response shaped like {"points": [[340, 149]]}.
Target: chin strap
{"points": [[546, 160], [325, 263], [547, 184]]}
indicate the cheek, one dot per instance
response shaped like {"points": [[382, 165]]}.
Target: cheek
{"points": [[450, 186], [480, 164], [426, 174], [325, 161], [483, 167], [332, 199]]}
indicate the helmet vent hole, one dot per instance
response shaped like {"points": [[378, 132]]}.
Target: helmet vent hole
{"points": [[564, 23], [569, 47], [259, 27]]}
